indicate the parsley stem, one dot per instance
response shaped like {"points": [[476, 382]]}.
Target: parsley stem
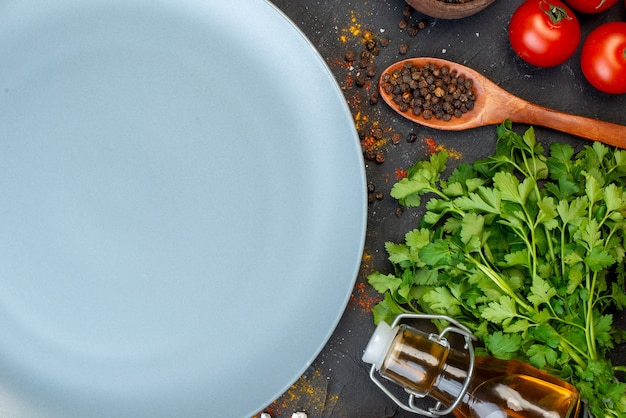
{"points": [[572, 324], [528, 171], [550, 252], [573, 351], [563, 249], [590, 326], [500, 283], [532, 247], [554, 315], [438, 192]]}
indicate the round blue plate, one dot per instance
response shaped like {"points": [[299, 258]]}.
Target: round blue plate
{"points": [[182, 207]]}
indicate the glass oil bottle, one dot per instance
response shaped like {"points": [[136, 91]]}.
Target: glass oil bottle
{"points": [[460, 383]]}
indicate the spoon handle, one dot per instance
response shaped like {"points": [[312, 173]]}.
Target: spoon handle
{"points": [[605, 132]]}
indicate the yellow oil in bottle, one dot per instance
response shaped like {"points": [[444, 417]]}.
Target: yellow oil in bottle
{"points": [[415, 362], [497, 389], [521, 396]]}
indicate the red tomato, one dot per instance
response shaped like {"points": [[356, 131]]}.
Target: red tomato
{"points": [[591, 6], [544, 33], [603, 58]]}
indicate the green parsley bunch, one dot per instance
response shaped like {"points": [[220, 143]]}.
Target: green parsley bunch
{"points": [[527, 250]]}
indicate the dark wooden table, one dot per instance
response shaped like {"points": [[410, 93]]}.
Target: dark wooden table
{"points": [[337, 383]]}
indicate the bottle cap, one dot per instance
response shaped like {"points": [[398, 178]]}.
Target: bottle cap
{"points": [[379, 344]]}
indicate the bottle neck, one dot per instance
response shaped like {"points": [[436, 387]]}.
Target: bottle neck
{"points": [[449, 383], [414, 361], [426, 367]]}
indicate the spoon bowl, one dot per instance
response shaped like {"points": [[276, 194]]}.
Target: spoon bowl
{"points": [[493, 105]]}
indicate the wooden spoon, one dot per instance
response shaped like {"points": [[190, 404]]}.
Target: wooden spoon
{"points": [[493, 105]]}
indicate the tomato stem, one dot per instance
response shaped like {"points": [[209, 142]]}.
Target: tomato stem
{"points": [[556, 13]]}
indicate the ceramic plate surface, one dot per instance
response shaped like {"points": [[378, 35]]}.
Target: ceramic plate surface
{"points": [[182, 208]]}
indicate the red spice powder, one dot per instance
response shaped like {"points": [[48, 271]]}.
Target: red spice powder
{"points": [[400, 173], [361, 299], [370, 144], [341, 63], [430, 145]]}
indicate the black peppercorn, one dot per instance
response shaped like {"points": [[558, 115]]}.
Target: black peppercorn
{"points": [[430, 91], [374, 97]]}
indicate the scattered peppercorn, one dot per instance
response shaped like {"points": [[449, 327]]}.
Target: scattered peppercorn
{"points": [[412, 137], [371, 187], [379, 196], [363, 61], [374, 95], [430, 91], [361, 64], [362, 132], [399, 212], [369, 155], [377, 133]]}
